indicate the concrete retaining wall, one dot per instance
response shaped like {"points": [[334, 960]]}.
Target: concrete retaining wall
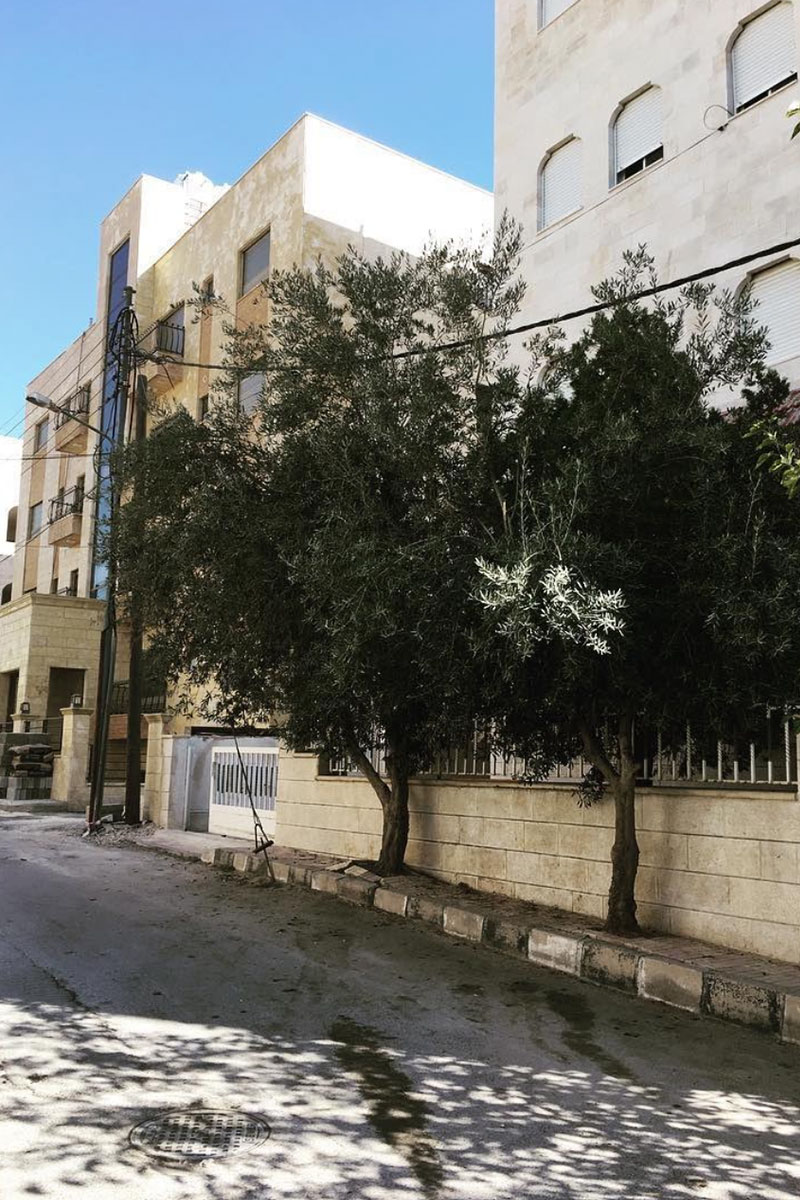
{"points": [[719, 865]]}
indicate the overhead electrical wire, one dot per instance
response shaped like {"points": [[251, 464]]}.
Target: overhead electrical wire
{"points": [[529, 326]]}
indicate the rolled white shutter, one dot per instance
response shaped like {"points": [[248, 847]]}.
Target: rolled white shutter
{"points": [[764, 54], [550, 9], [561, 183], [638, 128], [777, 291]]}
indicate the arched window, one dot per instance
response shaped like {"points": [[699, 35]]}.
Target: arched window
{"points": [[763, 57], [560, 183], [5, 595], [11, 525], [637, 140], [777, 290]]}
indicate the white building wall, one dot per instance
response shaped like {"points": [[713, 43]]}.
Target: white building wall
{"points": [[715, 196], [386, 196]]}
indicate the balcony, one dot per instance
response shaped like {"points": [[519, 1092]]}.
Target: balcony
{"points": [[71, 432], [65, 518], [160, 352]]}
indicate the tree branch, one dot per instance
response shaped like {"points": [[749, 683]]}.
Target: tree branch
{"points": [[381, 789], [595, 753]]}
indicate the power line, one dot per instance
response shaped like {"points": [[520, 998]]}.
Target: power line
{"points": [[542, 322], [96, 352], [600, 306], [36, 457], [44, 450]]}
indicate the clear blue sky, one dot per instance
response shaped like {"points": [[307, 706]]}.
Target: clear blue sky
{"points": [[93, 95]]}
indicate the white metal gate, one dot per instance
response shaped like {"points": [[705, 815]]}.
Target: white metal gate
{"points": [[229, 783]]}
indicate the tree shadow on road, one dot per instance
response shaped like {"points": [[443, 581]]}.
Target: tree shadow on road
{"points": [[353, 1118]]}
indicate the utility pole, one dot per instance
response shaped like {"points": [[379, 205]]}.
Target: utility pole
{"points": [[120, 345], [133, 752]]}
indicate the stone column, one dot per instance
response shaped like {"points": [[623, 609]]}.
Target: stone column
{"points": [[153, 770], [27, 723], [70, 766]]}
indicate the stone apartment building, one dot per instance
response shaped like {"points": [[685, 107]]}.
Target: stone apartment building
{"points": [[620, 122], [317, 190]]}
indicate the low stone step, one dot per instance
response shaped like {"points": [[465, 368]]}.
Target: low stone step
{"points": [[32, 806]]}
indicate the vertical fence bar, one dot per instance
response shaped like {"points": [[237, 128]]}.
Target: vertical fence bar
{"points": [[752, 762], [688, 751], [787, 750], [719, 762], [735, 765]]}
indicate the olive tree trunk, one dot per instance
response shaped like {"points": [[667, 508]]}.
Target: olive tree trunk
{"points": [[393, 797], [621, 781]]}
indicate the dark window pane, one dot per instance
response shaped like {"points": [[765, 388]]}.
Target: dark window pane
{"points": [[255, 263], [35, 519], [250, 390]]}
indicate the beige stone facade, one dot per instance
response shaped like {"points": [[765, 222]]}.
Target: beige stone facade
{"points": [[719, 865], [43, 633], [727, 183]]}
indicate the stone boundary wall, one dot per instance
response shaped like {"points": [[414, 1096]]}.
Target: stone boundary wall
{"points": [[720, 865]]}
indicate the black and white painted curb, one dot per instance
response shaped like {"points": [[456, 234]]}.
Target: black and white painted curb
{"points": [[595, 957]]}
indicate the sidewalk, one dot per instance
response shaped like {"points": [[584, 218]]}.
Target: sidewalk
{"points": [[680, 972]]}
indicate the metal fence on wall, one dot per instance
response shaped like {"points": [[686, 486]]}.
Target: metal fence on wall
{"points": [[769, 754]]}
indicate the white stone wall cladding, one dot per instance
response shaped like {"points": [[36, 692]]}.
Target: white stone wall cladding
{"points": [[716, 865], [715, 196]]}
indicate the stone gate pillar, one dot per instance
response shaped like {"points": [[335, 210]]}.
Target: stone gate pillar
{"points": [[70, 766]]}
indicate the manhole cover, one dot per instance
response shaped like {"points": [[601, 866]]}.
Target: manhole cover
{"points": [[198, 1133]]}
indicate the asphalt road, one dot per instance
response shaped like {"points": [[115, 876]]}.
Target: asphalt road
{"points": [[388, 1060]]}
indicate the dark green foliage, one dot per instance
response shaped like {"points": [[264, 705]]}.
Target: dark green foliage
{"points": [[633, 482], [319, 563]]}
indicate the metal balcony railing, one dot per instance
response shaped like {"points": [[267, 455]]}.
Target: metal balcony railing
{"points": [[66, 504], [154, 697], [76, 405], [165, 337], [170, 338]]}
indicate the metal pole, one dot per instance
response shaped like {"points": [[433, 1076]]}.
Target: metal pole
{"points": [[133, 747], [108, 640]]}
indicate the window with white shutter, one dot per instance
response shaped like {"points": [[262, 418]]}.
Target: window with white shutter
{"points": [[550, 9], [777, 291], [764, 56], [638, 137], [560, 183]]}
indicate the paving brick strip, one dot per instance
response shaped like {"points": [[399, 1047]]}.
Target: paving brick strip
{"points": [[680, 972]]}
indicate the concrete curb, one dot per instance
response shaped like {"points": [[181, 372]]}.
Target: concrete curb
{"points": [[597, 958]]}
